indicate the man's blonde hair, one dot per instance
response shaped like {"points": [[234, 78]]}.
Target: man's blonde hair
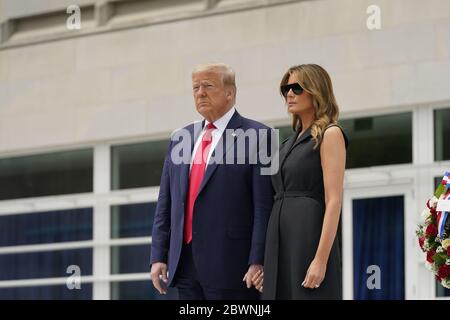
{"points": [[228, 76]]}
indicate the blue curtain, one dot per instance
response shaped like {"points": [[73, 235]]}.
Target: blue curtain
{"points": [[139, 290], [132, 220], [47, 293], [46, 227], [130, 259], [47, 264], [134, 259], [378, 239]]}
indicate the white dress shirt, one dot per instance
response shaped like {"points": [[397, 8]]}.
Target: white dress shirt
{"points": [[220, 125]]}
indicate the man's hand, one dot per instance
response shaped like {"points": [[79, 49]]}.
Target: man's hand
{"points": [[158, 273], [252, 272]]}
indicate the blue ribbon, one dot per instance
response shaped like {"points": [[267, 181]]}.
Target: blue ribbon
{"points": [[442, 220]]}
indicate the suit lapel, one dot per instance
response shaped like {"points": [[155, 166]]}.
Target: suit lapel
{"points": [[285, 149], [293, 142], [303, 137], [227, 140]]}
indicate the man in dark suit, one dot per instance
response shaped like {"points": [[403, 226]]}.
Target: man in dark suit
{"points": [[213, 208]]}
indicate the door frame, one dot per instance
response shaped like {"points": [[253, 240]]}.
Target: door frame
{"points": [[377, 191]]}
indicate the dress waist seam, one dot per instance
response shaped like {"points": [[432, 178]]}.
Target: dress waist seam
{"points": [[295, 194]]}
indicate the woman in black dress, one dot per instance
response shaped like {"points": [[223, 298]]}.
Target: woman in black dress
{"points": [[302, 258]]}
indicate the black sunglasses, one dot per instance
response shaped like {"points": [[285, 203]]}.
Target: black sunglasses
{"points": [[296, 89]]}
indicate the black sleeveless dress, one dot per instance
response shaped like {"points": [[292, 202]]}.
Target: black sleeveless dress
{"points": [[295, 225]]}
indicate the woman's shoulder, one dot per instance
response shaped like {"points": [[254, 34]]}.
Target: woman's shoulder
{"points": [[335, 131]]}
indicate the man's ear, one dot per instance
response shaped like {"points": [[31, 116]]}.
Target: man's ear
{"points": [[230, 93]]}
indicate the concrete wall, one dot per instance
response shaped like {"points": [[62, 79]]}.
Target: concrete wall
{"points": [[136, 82]]}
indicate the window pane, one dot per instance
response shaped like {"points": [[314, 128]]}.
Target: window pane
{"points": [[46, 264], [139, 290], [441, 130], [132, 220], [130, 259], [47, 174], [138, 165], [47, 293], [46, 227], [380, 140]]}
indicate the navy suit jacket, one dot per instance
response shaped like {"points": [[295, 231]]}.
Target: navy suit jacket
{"points": [[231, 211]]}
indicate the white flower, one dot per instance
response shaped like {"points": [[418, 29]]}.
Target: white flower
{"points": [[445, 283], [430, 266], [426, 246], [433, 202], [426, 214], [447, 262], [440, 249], [446, 243]]}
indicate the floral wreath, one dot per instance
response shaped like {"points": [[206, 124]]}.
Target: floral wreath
{"points": [[434, 233]]}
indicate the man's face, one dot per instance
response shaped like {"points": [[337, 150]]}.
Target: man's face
{"points": [[211, 97]]}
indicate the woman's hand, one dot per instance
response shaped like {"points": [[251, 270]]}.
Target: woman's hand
{"points": [[315, 274], [258, 280]]}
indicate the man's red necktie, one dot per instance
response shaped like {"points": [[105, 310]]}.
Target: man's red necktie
{"points": [[195, 179]]}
